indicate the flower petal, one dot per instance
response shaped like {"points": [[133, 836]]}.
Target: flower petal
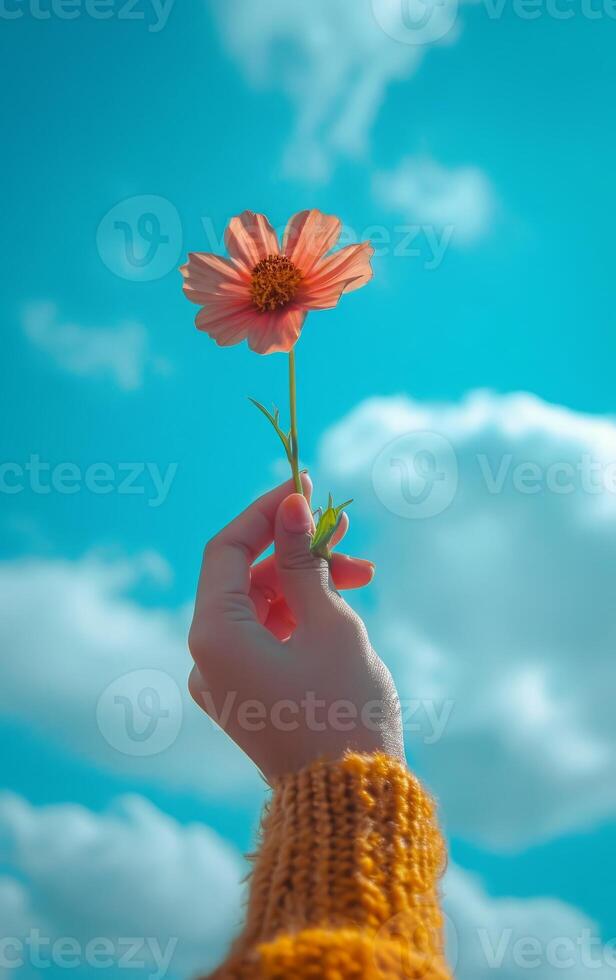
{"points": [[276, 331], [206, 275], [225, 322], [308, 236], [249, 238], [339, 273]]}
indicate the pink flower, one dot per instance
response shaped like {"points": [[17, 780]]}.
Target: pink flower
{"points": [[263, 292]]}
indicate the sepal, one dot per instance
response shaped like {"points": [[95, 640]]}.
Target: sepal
{"points": [[327, 521]]}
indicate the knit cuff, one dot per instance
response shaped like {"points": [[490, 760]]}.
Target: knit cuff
{"points": [[348, 844]]}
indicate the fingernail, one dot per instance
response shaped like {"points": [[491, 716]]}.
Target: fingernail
{"points": [[295, 514], [306, 482], [367, 564]]}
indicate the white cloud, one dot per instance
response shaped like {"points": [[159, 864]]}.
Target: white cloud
{"points": [[500, 599], [170, 896], [129, 873], [513, 938], [106, 676], [120, 353], [427, 193], [334, 60], [500, 602]]}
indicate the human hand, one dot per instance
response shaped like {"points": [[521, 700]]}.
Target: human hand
{"points": [[282, 663]]}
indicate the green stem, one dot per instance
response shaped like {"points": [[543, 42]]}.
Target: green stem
{"points": [[293, 411]]}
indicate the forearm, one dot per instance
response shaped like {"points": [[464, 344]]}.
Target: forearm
{"points": [[346, 879]]}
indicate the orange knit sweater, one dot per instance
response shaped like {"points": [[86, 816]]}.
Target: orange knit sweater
{"points": [[345, 883]]}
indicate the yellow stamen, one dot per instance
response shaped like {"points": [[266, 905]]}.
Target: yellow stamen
{"points": [[274, 282]]}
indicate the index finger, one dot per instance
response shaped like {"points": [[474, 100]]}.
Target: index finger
{"points": [[225, 569]]}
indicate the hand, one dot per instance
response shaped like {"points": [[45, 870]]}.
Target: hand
{"points": [[282, 663]]}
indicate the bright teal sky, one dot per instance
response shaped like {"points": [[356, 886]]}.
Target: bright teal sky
{"points": [[97, 112]]}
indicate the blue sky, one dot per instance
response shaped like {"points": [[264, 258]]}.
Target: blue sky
{"points": [[496, 143]]}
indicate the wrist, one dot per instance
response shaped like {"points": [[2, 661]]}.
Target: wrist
{"points": [[334, 827]]}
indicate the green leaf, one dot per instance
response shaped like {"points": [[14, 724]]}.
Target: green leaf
{"points": [[326, 526], [274, 419]]}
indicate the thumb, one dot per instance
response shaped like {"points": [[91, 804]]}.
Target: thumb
{"points": [[304, 577]]}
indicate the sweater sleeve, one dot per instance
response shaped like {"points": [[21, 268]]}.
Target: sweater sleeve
{"points": [[345, 883]]}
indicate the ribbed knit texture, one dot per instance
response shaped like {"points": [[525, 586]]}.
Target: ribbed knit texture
{"points": [[345, 883]]}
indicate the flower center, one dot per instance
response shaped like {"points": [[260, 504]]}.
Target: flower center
{"points": [[274, 282]]}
